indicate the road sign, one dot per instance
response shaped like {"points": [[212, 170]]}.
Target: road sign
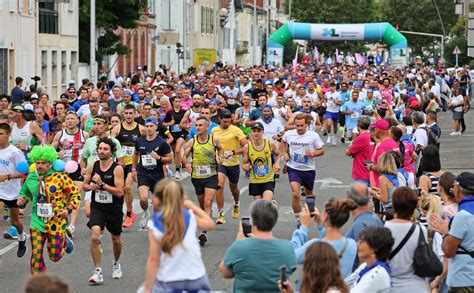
{"points": [[456, 52]]}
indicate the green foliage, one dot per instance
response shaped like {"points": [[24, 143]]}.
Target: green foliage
{"points": [[419, 16], [110, 15]]}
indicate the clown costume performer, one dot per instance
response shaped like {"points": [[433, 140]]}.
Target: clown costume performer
{"points": [[53, 196]]}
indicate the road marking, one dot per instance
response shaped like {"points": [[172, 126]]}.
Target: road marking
{"points": [[330, 182], [242, 191], [9, 247]]}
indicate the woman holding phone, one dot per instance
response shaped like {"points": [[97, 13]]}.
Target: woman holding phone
{"points": [[174, 261]]}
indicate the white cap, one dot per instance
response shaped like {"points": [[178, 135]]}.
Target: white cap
{"points": [[34, 96], [29, 107], [72, 81]]}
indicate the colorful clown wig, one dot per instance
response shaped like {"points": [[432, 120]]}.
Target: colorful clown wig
{"points": [[44, 153]]}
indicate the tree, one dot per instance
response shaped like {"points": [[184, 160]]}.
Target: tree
{"points": [[110, 15], [419, 16], [340, 11]]}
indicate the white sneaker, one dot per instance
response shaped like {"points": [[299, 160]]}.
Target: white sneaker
{"points": [[96, 278], [333, 139], [453, 133], [116, 271], [177, 175], [144, 221], [328, 140]]}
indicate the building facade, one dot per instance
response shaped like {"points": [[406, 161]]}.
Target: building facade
{"points": [[38, 38]]}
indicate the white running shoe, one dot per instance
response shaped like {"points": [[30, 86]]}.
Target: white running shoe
{"points": [[96, 278], [328, 140], [177, 175], [116, 271], [144, 221], [333, 140], [453, 133]]}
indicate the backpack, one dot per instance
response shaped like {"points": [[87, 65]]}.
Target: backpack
{"points": [[425, 261], [432, 137], [401, 146]]}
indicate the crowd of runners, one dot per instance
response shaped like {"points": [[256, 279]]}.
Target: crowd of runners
{"points": [[97, 144]]}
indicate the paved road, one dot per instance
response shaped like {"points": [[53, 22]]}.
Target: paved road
{"points": [[333, 177]]}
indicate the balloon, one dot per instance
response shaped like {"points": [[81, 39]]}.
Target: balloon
{"points": [[58, 166], [22, 167], [71, 167], [32, 168]]}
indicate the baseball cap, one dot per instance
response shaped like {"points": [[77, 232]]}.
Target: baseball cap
{"points": [[127, 92], [215, 101], [466, 180], [414, 104], [29, 107], [72, 82], [18, 108], [34, 96], [381, 124], [258, 125], [150, 119]]}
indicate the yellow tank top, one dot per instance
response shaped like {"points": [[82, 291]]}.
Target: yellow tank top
{"points": [[261, 170], [204, 158]]}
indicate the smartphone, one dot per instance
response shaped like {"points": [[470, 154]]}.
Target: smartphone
{"points": [[246, 226], [368, 162], [283, 277], [310, 201]]}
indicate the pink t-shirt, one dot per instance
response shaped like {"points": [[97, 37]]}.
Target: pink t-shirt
{"points": [[186, 104], [388, 144], [361, 149], [409, 150]]}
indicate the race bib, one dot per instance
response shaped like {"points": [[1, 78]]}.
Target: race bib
{"points": [[260, 170], [230, 101], [148, 161], [44, 210], [175, 128], [355, 115], [128, 150], [300, 159], [102, 196], [203, 170]]}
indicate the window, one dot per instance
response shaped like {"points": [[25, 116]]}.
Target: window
{"points": [[3, 70], [48, 18], [169, 9]]}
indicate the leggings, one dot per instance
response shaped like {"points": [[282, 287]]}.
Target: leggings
{"points": [[56, 247]]}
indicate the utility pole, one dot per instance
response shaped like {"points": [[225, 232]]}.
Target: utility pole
{"points": [[185, 33], [216, 46], [254, 57], [93, 62]]}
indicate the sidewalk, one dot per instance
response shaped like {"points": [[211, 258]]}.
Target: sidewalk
{"points": [[457, 152]]}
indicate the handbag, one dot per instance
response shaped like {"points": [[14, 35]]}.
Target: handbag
{"points": [[425, 262]]}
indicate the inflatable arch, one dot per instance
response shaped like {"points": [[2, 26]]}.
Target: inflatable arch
{"points": [[382, 31]]}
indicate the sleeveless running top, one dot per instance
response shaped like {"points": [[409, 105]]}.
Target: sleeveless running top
{"points": [[72, 145], [261, 170], [245, 115], [127, 140], [193, 116], [102, 199], [89, 124], [204, 158], [21, 135]]}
